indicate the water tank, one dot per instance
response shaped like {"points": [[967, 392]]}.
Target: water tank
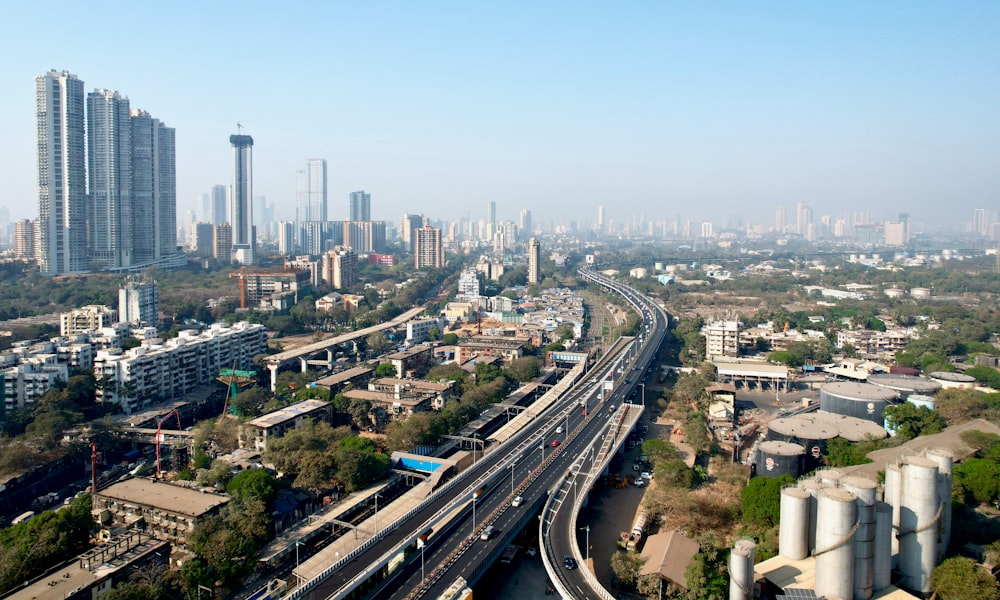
{"points": [[793, 533], [882, 555], [805, 431], [905, 384], [741, 575], [838, 513], [813, 487], [944, 459], [891, 494], [864, 489], [922, 400], [953, 380], [920, 293], [775, 459], [917, 532], [861, 400]]}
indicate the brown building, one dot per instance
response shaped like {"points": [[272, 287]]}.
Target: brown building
{"points": [[412, 361], [509, 348]]}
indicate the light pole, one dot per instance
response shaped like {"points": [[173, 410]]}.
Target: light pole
{"points": [[297, 544], [587, 543], [643, 386], [376, 513], [474, 496], [542, 459], [512, 465]]}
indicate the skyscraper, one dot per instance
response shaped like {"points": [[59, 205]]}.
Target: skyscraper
{"points": [[311, 191], [138, 301], [241, 206], [62, 174], [24, 240], [803, 217], [361, 206], [534, 260], [427, 251], [154, 189], [219, 202], [779, 219], [109, 157], [525, 225], [491, 219], [600, 218]]}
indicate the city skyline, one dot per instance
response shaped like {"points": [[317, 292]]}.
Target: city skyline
{"points": [[729, 110]]}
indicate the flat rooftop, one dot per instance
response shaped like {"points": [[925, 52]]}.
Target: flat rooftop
{"points": [[289, 412], [163, 496], [343, 376], [801, 574]]}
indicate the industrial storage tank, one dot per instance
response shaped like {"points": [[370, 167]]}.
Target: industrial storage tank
{"points": [[793, 535], [861, 400], [865, 490], [953, 380], [805, 431], [775, 459], [838, 514], [921, 400], [919, 509], [905, 384], [851, 429]]}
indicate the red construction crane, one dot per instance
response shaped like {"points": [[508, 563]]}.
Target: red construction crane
{"points": [[158, 423], [242, 274]]}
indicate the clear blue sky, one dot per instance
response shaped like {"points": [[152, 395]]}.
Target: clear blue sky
{"points": [[702, 110]]}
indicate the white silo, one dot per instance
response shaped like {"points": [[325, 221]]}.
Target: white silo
{"points": [[882, 574], [830, 477], [793, 533], [918, 515], [837, 520], [865, 490], [813, 486], [944, 459], [893, 489], [741, 577]]}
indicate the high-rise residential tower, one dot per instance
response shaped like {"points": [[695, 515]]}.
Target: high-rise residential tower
{"points": [[154, 189], [526, 225], [241, 205], [491, 219], [219, 202], [600, 218], [427, 251], [534, 261], [62, 174], [311, 191], [361, 206], [109, 161]]}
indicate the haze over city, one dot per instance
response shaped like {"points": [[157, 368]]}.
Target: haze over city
{"points": [[655, 110]]}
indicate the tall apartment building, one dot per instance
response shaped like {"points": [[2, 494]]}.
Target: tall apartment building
{"points": [[360, 206], [340, 267], [286, 238], [219, 202], [525, 227], [468, 284], [428, 251], [534, 260], [109, 157], [24, 240], [201, 239], [407, 226], [154, 189], [222, 244], [803, 217], [87, 319], [138, 301], [310, 192], [241, 202], [62, 174], [365, 236], [722, 338]]}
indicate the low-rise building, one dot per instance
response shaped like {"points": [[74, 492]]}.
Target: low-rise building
{"points": [[275, 424], [418, 330], [412, 361], [87, 319], [25, 383], [509, 347], [355, 377], [165, 511]]}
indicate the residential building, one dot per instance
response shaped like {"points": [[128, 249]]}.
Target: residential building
{"points": [[240, 204], [62, 174], [365, 236], [418, 330], [468, 284], [141, 376], [87, 319], [24, 384], [276, 292], [722, 339], [360, 206], [154, 190], [109, 220], [305, 263], [310, 191], [219, 202], [340, 267], [427, 249], [138, 301], [286, 238], [408, 227], [525, 227], [24, 240], [412, 361], [534, 261], [275, 424], [201, 239], [222, 244], [382, 260], [165, 511], [508, 347]]}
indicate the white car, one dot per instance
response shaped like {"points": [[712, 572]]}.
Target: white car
{"points": [[517, 501], [559, 429], [645, 475]]}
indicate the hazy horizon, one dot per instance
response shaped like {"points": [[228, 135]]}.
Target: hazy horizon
{"points": [[654, 110]]}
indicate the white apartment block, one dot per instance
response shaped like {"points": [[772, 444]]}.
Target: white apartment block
{"points": [[417, 331], [25, 383], [722, 338], [87, 319], [148, 374]]}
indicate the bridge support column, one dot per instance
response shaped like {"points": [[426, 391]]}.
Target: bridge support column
{"points": [[304, 364], [274, 376]]}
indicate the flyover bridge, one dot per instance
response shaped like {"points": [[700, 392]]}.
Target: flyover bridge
{"points": [[275, 362]]}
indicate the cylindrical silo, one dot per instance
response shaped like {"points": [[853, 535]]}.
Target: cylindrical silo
{"points": [[838, 515], [865, 490], [813, 486], [882, 574], [741, 570], [830, 477], [775, 459], [810, 433], [861, 400], [944, 459], [793, 534], [917, 527], [893, 488]]}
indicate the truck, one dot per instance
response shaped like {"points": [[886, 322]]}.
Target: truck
{"points": [[509, 553], [635, 536]]}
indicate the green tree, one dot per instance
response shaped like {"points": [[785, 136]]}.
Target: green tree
{"points": [[909, 420], [524, 369], [253, 483], [487, 372], [659, 450], [842, 453], [626, 566], [386, 369], [449, 339], [761, 501], [959, 577], [675, 473], [979, 479]]}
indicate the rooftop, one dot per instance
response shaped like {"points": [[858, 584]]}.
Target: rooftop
{"points": [[289, 412], [163, 496], [801, 574]]}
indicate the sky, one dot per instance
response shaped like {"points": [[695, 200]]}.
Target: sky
{"points": [[655, 110]]}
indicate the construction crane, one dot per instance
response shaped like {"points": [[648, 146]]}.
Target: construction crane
{"points": [[173, 412], [243, 275], [235, 379]]}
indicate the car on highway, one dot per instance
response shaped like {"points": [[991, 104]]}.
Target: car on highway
{"points": [[555, 443], [559, 429], [517, 501], [569, 562], [487, 533]]}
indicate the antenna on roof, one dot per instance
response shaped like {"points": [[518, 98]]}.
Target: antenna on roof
{"points": [[239, 128]]}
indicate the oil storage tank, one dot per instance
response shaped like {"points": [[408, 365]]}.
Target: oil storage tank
{"points": [[860, 400], [809, 433], [851, 429], [905, 385], [775, 459]]}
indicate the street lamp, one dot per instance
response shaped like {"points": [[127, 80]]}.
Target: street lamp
{"points": [[474, 496], [542, 459], [587, 549], [297, 544], [643, 386], [512, 465], [376, 513]]}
